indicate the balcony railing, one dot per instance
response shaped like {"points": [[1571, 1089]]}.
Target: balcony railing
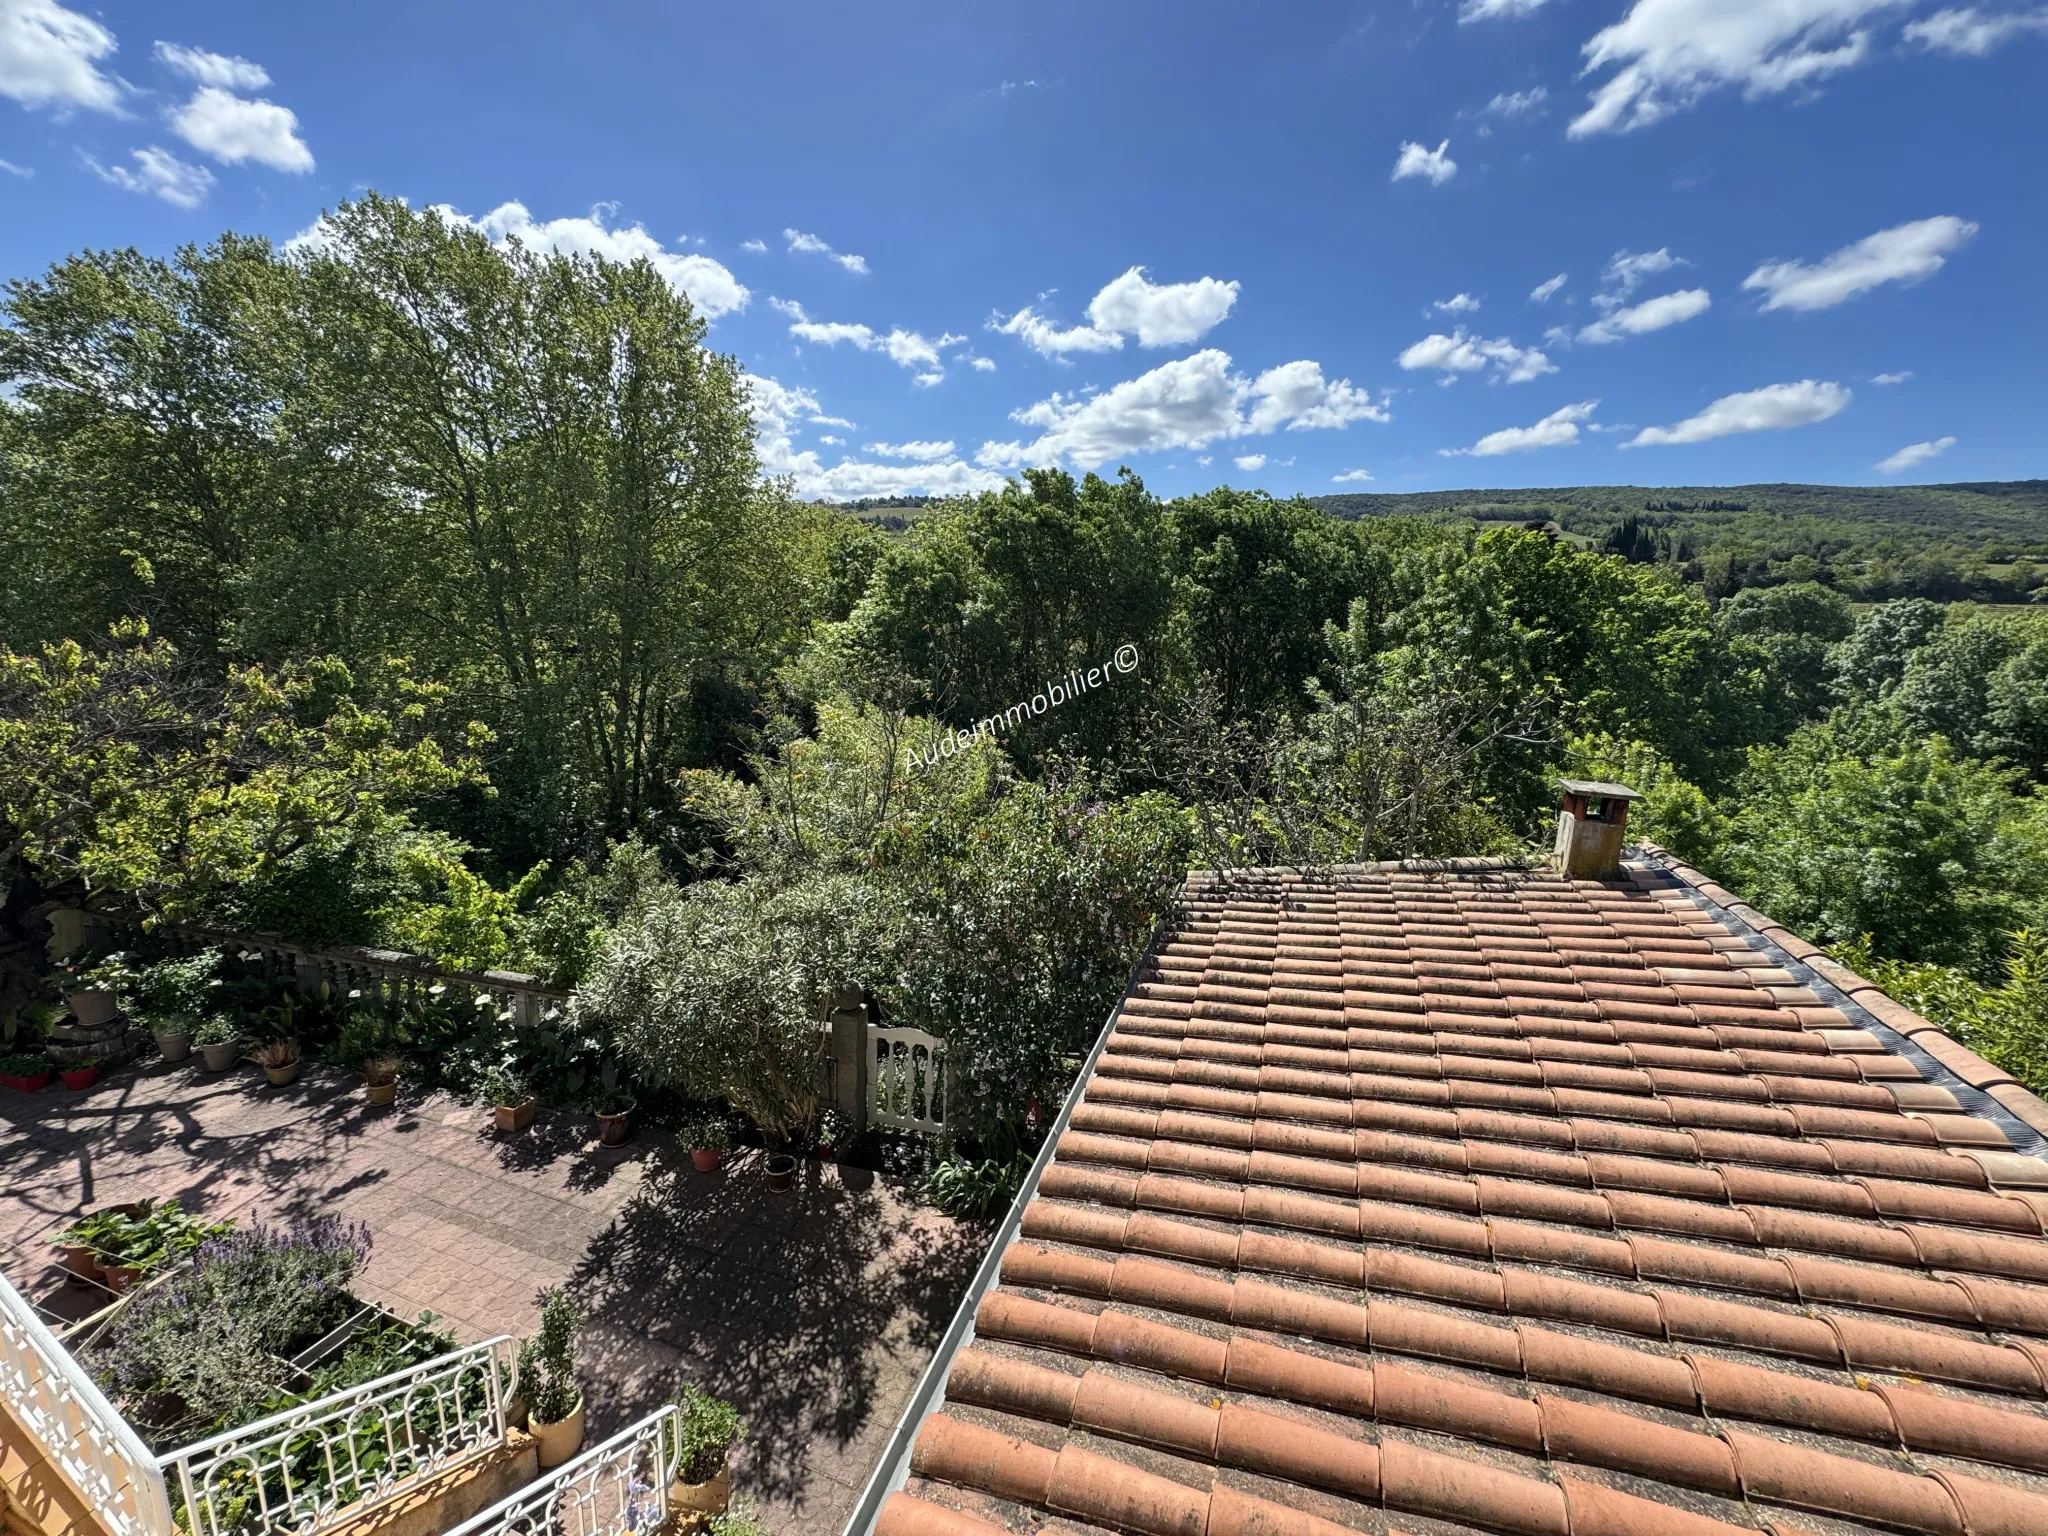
{"points": [[619, 1488]]}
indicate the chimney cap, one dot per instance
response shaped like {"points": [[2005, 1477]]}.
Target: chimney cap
{"points": [[1593, 789]]}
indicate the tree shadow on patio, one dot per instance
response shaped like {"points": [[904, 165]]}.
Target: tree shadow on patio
{"points": [[813, 1310]]}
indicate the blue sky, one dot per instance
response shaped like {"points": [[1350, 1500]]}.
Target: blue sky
{"points": [[1291, 246]]}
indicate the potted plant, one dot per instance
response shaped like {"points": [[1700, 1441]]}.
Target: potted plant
{"points": [[279, 1060], [832, 1131], [780, 1171], [93, 992], [174, 994], [380, 1078], [613, 1106], [81, 1075], [707, 1138], [219, 1042], [706, 1430], [26, 1070], [510, 1100], [554, 1402]]}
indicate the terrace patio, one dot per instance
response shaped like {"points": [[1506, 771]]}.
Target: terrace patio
{"points": [[814, 1311]]}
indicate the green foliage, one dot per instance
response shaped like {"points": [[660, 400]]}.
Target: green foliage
{"points": [[1674, 814], [706, 1430], [2006, 1023], [706, 1131], [962, 1186], [161, 1234], [553, 1393], [176, 992], [216, 1029]]}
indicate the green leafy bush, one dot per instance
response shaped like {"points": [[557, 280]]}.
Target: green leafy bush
{"points": [[707, 1428], [552, 1393], [2005, 1023], [962, 1186]]}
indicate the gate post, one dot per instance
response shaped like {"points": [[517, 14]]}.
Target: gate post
{"points": [[850, 1064]]}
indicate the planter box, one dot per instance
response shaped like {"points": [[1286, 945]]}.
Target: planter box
{"points": [[28, 1084]]}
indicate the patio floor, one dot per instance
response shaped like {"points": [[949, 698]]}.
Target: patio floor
{"points": [[815, 1311]]}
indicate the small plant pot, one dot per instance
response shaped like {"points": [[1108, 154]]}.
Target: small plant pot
{"points": [[94, 1005], [81, 1261], [119, 1277], [558, 1442], [700, 1501], [279, 1076], [614, 1130], [381, 1093], [780, 1171], [219, 1055], [174, 1047], [706, 1159], [31, 1084], [513, 1117], [78, 1079]]}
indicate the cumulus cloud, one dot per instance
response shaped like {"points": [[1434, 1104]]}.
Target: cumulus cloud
{"points": [[232, 129], [1970, 33], [1905, 253], [1914, 454], [708, 284], [906, 349], [1250, 463], [1188, 403], [983, 364], [1419, 160], [1158, 314], [1892, 378], [1626, 270], [159, 173], [1650, 315], [1351, 477], [1558, 429], [799, 241], [1769, 409], [1517, 103], [778, 408], [1461, 352], [1668, 54], [754, 247], [922, 452], [1456, 304], [1487, 10], [49, 57], [224, 70], [1541, 293]]}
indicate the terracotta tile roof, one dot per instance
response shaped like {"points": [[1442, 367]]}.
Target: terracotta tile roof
{"points": [[1469, 1198]]}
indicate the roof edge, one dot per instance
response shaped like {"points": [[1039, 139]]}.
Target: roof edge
{"points": [[2018, 1100]]}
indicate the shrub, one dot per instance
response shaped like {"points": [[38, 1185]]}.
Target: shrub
{"points": [[707, 1428], [176, 992], [553, 1393], [707, 1132], [962, 1187], [216, 1029]]}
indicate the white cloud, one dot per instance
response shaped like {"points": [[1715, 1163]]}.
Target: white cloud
{"points": [[922, 452], [827, 437], [754, 247], [710, 285], [1158, 314], [1541, 293], [1650, 315], [907, 349], [1456, 304], [220, 69], [16, 170], [983, 364], [232, 130], [1667, 54], [1905, 253], [1559, 428], [1769, 409], [799, 241], [777, 409], [159, 173], [1915, 454], [1969, 33], [1517, 103], [1188, 403], [1250, 463], [1891, 378], [1487, 10], [48, 57], [1351, 477], [1417, 160], [1462, 353], [1626, 270]]}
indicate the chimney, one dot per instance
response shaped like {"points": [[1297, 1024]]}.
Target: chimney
{"points": [[1590, 827]]}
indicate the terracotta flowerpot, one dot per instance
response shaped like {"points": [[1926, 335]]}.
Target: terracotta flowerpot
{"points": [[702, 1500], [612, 1130], [78, 1079], [120, 1276], [279, 1076], [82, 1261], [33, 1084], [219, 1055], [706, 1159], [175, 1046], [94, 1005], [560, 1441], [381, 1093], [513, 1117], [780, 1171]]}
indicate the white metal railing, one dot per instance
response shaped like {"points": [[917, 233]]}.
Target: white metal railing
{"points": [[298, 1470], [617, 1488], [92, 1447], [907, 1071]]}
